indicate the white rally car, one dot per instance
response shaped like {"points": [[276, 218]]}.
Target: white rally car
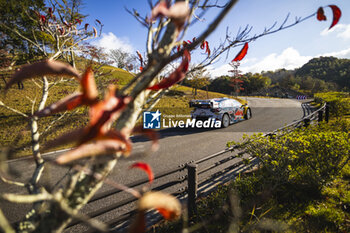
{"points": [[226, 110]]}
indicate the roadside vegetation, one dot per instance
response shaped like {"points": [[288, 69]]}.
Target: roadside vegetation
{"points": [[302, 183]]}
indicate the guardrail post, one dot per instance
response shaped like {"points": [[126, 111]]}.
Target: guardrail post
{"points": [[327, 113], [307, 122], [320, 116], [192, 179]]}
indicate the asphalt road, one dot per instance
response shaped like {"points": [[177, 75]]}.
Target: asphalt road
{"points": [[177, 146]]}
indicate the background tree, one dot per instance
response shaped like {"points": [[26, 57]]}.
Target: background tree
{"points": [[197, 79], [16, 15], [122, 59]]}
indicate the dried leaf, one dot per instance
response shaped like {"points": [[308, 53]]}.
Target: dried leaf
{"points": [[179, 13], [146, 168], [68, 103], [62, 31], [121, 136], [151, 134], [320, 14], [88, 85], [100, 147], [78, 21], [241, 53], [166, 204], [175, 77], [336, 15], [65, 138], [86, 26], [160, 10], [103, 114], [95, 31], [140, 58], [40, 69], [98, 21]]}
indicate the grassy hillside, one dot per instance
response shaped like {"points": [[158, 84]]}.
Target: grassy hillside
{"points": [[14, 129]]}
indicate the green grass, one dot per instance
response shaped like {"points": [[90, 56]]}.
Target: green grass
{"points": [[15, 131]]}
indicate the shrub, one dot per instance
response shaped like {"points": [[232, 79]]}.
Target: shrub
{"points": [[339, 102]]}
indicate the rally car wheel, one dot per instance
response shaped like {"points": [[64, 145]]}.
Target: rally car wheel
{"points": [[225, 122], [248, 114]]}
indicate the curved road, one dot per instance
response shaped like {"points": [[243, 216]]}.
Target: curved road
{"points": [[177, 146]]}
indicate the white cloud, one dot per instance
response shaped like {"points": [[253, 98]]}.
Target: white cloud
{"points": [[340, 54], [341, 31], [110, 41], [290, 58], [221, 70]]}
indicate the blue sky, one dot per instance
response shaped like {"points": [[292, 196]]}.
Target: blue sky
{"points": [[288, 49]]}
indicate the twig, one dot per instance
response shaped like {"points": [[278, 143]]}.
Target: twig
{"points": [[100, 226], [4, 224], [17, 198], [12, 182], [13, 110]]}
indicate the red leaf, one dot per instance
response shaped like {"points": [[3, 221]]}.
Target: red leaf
{"points": [[78, 21], [120, 136], [146, 168], [203, 44], [207, 50], [68, 103], [336, 15], [103, 113], [89, 88], [42, 18], [140, 57], [62, 31], [86, 26], [175, 77], [40, 69], [241, 53], [320, 14], [166, 204], [141, 68]]}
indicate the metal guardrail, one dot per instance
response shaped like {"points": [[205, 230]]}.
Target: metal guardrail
{"points": [[202, 175]]}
